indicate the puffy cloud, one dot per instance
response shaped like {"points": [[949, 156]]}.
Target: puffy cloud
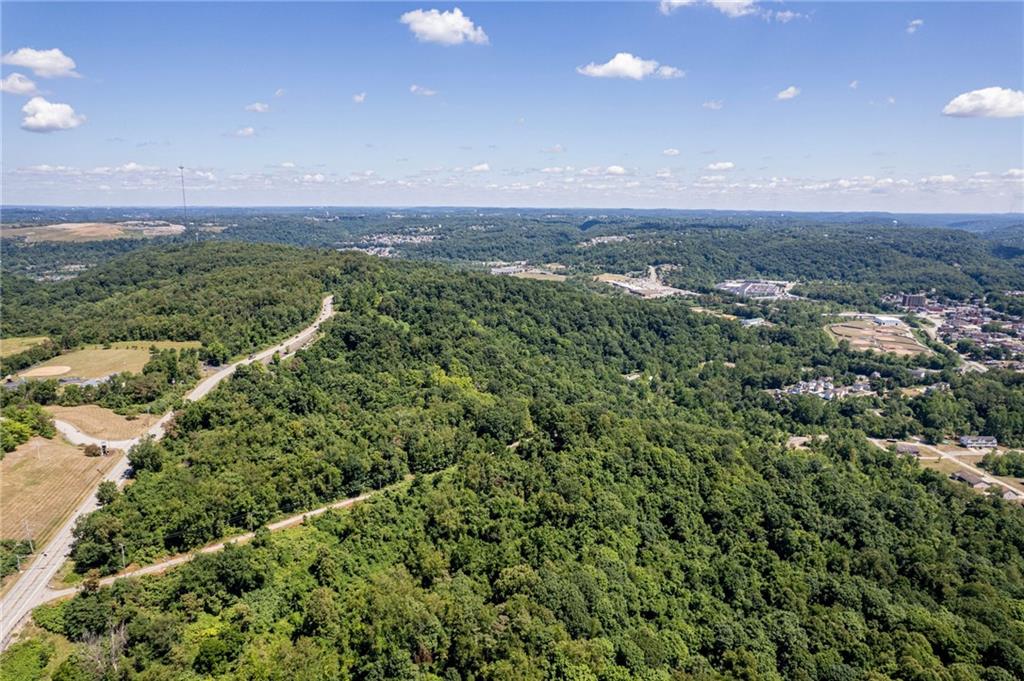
{"points": [[730, 8], [789, 93], [614, 170], [44, 116], [44, 63], [421, 91], [670, 152], [1014, 174], [712, 178], [721, 165], [17, 84], [445, 28], [481, 168], [258, 107], [626, 65], [359, 97], [713, 104], [989, 102], [914, 25], [288, 164], [247, 131], [317, 178], [939, 179], [854, 84]]}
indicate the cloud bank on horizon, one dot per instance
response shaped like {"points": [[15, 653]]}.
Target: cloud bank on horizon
{"points": [[830, 107]]}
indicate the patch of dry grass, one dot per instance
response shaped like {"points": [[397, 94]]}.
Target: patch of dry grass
{"points": [[12, 346], [99, 422], [41, 482]]}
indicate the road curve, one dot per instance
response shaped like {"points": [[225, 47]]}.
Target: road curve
{"points": [[29, 587]]}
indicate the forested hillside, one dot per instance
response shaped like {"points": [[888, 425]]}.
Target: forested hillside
{"points": [[564, 522], [232, 297]]}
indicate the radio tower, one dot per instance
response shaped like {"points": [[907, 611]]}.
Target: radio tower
{"points": [[184, 205]]}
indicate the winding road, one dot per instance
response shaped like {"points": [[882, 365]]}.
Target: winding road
{"points": [[30, 588]]}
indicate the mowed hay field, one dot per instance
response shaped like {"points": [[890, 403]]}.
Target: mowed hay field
{"points": [[99, 422], [864, 334], [93, 231], [41, 482], [12, 346], [97, 361]]}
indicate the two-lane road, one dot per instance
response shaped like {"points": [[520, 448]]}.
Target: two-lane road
{"points": [[30, 586]]}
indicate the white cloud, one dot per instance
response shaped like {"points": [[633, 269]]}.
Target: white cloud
{"points": [[890, 100], [44, 63], [663, 173], [288, 164], [247, 131], [721, 165], [730, 8], [614, 170], [789, 93], [279, 92], [854, 84], [713, 104], [785, 16], [670, 152], [1014, 174], [445, 28], [625, 65], [712, 178], [989, 102], [422, 91], [914, 25], [258, 107], [17, 84], [481, 168], [359, 97], [44, 116], [317, 178], [556, 170], [555, 149], [939, 179]]}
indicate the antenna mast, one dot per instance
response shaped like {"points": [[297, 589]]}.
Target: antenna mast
{"points": [[184, 205]]}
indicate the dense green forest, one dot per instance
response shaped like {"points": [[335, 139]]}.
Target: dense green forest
{"points": [[232, 297], [563, 521]]}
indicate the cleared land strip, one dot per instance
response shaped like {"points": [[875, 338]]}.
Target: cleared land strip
{"points": [[166, 564], [24, 593], [988, 477]]}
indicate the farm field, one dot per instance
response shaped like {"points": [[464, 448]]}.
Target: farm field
{"points": [[100, 422], [93, 231], [12, 346], [41, 482], [540, 276], [97, 361], [864, 334]]}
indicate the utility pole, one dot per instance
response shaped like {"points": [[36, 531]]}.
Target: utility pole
{"points": [[28, 535], [122, 557], [184, 205]]}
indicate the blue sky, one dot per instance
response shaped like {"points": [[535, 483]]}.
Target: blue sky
{"points": [[516, 115]]}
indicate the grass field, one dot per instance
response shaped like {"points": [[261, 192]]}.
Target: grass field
{"points": [[90, 363], [92, 231], [41, 482], [12, 346], [97, 361], [864, 334], [100, 422], [540, 276]]}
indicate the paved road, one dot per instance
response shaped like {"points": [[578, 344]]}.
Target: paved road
{"points": [[30, 587], [985, 475]]}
